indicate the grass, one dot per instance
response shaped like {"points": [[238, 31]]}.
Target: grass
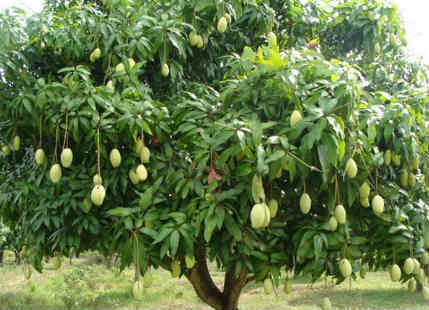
{"points": [[88, 284]]}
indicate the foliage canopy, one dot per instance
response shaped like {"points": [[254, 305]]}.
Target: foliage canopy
{"points": [[92, 77]]}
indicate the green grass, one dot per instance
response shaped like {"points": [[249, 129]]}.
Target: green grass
{"points": [[93, 286]]}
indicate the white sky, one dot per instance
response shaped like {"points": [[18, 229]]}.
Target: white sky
{"points": [[414, 13], [29, 5]]}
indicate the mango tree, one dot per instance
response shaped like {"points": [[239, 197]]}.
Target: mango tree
{"points": [[271, 137]]}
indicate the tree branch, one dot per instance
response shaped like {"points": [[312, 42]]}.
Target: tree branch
{"points": [[250, 279]]}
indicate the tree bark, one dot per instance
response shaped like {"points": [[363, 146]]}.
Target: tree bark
{"points": [[17, 257], [419, 287], [1, 257], [207, 290], [202, 282], [233, 287]]}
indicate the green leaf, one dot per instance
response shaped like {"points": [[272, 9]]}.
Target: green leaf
{"points": [[372, 133], [256, 129], [210, 224], [165, 232], [261, 167], [232, 227], [260, 255], [174, 242], [220, 215], [231, 193], [358, 240], [275, 156], [318, 246], [244, 169], [241, 138], [305, 244], [292, 169], [396, 228], [128, 222], [388, 130], [150, 232], [179, 217], [314, 135], [121, 211], [146, 198]]}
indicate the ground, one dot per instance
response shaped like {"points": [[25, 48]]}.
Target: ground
{"points": [[87, 284]]}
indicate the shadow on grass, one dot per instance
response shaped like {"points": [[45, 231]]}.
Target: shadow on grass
{"points": [[88, 259], [305, 280], [21, 300], [360, 298], [154, 297], [29, 301], [112, 298]]}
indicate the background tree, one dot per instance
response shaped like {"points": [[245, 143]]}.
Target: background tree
{"points": [[4, 232], [272, 137]]}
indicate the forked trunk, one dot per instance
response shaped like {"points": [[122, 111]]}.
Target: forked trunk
{"points": [[17, 257], [207, 290]]}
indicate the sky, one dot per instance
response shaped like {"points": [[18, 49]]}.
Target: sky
{"points": [[414, 14], [29, 5]]}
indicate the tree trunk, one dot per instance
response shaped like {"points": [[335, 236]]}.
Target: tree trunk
{"points": [[202, 282], [419, 287], [17, 257], [207, 290], [1, 257], [108, 261], [233, 286]]}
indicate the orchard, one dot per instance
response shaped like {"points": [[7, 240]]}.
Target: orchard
{"points": [[274, 138]]}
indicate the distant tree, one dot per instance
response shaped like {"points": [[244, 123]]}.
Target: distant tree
{"points": [[4, 231]]}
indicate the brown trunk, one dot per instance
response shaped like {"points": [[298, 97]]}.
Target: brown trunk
{"points": [[207, 290], [17, 257], [419, 287], [108, 261], [202, 282], [1, 257], [233, 287]]}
